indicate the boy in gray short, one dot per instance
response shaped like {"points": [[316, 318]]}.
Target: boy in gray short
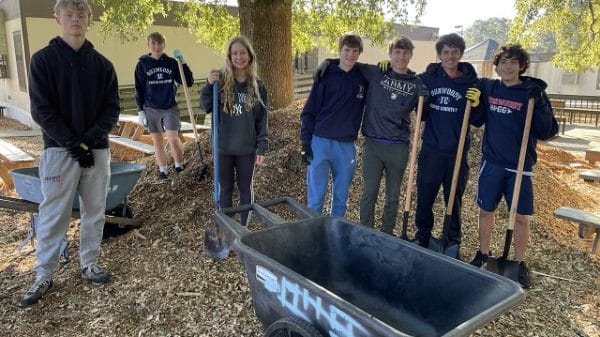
{"points": [[156, 77]]}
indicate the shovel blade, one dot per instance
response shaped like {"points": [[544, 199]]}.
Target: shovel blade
{"points": [[442, 246], [504, 267], [216, 245]]}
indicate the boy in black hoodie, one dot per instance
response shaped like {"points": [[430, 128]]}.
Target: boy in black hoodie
{"points": [[505, 103], [156, 77], [75, 100], [450, 83]]}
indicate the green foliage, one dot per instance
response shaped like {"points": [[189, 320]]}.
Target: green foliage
{"points": [[328, 19], [574, 23], [314, 22], [211, 23], [129, 19], [481, 30]]}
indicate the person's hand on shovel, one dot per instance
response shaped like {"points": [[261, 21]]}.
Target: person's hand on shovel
{"points": [[213, 76]]}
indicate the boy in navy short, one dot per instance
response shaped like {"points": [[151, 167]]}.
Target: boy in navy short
{"points": [[505, 102]]}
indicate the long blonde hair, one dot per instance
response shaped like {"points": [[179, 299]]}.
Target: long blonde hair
{"points": [[251, 77]]}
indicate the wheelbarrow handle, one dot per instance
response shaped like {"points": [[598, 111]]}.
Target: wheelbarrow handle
{"points": [[266, 217]]}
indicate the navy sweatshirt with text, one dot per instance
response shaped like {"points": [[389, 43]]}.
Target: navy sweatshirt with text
{"points": [[156, 81], [446, 107], [335, 106], [73, 94], [504, 118]]}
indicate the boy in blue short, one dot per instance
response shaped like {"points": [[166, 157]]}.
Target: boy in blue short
{"points": [[505, 103], [330, 122]]}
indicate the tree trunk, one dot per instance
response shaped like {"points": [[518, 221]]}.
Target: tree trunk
{"points": [[245, 8], [272, 41]]}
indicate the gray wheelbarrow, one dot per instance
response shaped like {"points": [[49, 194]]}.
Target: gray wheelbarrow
{"points": [[326, 276]]}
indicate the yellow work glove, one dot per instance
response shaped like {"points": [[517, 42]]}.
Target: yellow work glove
{"points": [[384, 65], [473, 96]]}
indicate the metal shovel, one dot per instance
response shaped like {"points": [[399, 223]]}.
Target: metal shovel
{"points": [[203, 166], [502, 265], [442, 245], [411, 168], [216, 242]]}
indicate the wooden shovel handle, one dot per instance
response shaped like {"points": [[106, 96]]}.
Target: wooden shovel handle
{"points": [[458, 160], [413, 154], [187, 99], [520, 165]]}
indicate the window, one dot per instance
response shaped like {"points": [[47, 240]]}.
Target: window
{"points": [[20, 60], [3, 66], [569, 78]]}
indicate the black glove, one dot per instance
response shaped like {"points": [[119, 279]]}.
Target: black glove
{"points": [[534, 92], [81, 152], [307, 154]]}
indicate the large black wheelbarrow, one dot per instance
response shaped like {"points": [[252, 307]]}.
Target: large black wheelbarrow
{"points": [[326, 276], [123, 178]]}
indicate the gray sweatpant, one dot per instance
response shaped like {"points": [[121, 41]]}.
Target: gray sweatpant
{"points": [[61, 176]]}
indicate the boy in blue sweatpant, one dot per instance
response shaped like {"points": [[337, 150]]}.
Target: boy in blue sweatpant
{"points": [[330, 122]]}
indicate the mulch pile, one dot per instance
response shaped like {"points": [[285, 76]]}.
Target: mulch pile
{"points": [[163, 284]]}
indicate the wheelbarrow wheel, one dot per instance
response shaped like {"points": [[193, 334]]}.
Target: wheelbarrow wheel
{"points": [[115, 229], [292, 327]]}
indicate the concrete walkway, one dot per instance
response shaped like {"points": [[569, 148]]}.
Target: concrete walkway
{"points": [[577, 138]]}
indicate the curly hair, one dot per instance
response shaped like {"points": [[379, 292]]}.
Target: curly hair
{"points": [[512, 51]]}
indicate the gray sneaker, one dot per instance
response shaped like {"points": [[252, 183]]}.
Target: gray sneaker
{"points": [[35, 292], [95, 274]]}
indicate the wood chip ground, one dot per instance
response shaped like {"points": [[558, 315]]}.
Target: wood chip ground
{"points": [[163, 284]]}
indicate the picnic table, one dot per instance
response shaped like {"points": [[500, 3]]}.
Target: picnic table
{"points": [[131, 138]]}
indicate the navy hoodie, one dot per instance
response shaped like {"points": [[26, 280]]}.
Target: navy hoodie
{"points": [[156, 81], [504, 118], [446, 107], [73, 94], [335, 106]]}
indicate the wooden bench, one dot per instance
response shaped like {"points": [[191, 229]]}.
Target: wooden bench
{"points": [[592, 155], [571, 112], [11, 157], [583, 218], [122, 146], [590, 175]]}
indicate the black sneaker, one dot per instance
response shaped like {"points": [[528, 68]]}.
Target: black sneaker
{"points": [[480, 260], [179, 169], [37, 290], [95, 274], [524, 279], [162, 175]]}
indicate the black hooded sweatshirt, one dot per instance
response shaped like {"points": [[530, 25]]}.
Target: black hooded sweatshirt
{"points": [[73, 94]]}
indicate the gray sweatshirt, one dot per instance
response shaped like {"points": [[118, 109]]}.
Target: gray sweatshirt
{"points": [[390, 99], [242, 131]]}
